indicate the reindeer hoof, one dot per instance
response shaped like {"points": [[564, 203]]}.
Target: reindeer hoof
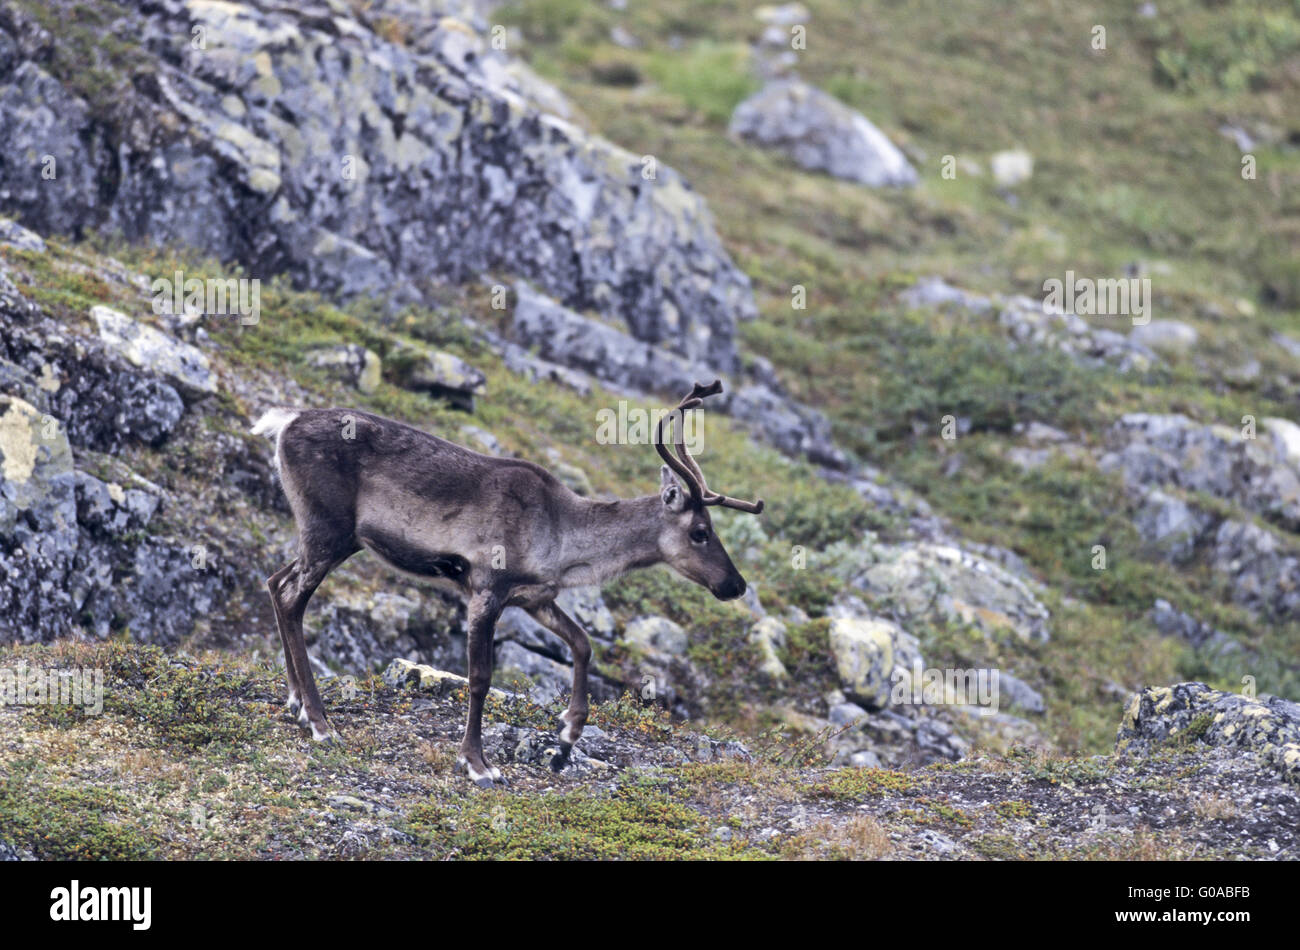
{"points": [[561, 758], [486, 777], [291, 707], [327, 736]]}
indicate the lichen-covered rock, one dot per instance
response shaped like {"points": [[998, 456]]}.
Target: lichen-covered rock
{"points": [[438, 373], [38, 524], [561, 336], [1189, 713], [945, 583], [350, 363], [151, 350], [1260, 474], [768, 634], [302, 140], [820, 133], [426, 679], [657, 636], [864, 657]]}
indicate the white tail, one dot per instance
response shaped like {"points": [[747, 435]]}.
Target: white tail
{"points": [[272, 425]]}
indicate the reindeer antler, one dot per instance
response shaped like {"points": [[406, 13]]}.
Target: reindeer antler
{"points": [[684, 464]]}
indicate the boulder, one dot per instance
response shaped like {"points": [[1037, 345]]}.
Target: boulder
{"points": [[657, 636], [1012, 167], [1260, 474], [1192, 714], [1171, 526], [439, 374], [153, 351], [943, 583], [349, 363], [1170, 337], [820, 133], [864, 657]]}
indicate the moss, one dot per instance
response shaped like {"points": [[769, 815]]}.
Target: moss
{"points": [[61, 821], [633, 823], [858, 783]]}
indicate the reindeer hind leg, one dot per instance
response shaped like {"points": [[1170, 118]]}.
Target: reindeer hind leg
{"points": [[314, 564], [293, 703]]}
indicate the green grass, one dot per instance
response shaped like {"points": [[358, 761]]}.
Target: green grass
{"points": [[634, 823]]}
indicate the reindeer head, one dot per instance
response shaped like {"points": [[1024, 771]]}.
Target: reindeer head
{"points": [[687, 541]]}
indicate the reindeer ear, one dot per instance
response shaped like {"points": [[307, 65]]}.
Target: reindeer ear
{"points": [[671, 490]]}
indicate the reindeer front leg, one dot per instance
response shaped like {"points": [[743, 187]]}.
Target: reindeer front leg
{"points": [[484, 608], [575, 717]]}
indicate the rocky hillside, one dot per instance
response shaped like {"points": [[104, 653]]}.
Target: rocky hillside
{"points": [[192, 758], [498, 222]]}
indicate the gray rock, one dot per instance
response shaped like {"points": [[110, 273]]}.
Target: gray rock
{"points": [[936, 292], [1170, 525], [1195, 633], [844, 713], [535, 369], [587, 606], [14, 235], [549, 679], [1193, 713], [657, 635], [1171, 337], [1261, 569], [1259, 474], [1019, 693], [820, 133], [350, 363], [148, 348], [561, 336], [438, 373], [794, 429], [306, 143]]}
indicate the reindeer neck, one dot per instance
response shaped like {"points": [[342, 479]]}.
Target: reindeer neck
{"points": [[611, 537]]}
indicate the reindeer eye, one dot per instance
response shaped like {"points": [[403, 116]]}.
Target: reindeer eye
{"points": [[699, 534]]}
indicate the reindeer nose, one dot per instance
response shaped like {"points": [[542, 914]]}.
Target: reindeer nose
{"points": [[732, 588]]}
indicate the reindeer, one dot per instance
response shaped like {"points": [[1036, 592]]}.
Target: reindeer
{"points": [[497, 532]]}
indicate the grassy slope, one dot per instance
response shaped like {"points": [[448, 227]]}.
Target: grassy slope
{"points": [[191, 759], [1129, 167]]}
